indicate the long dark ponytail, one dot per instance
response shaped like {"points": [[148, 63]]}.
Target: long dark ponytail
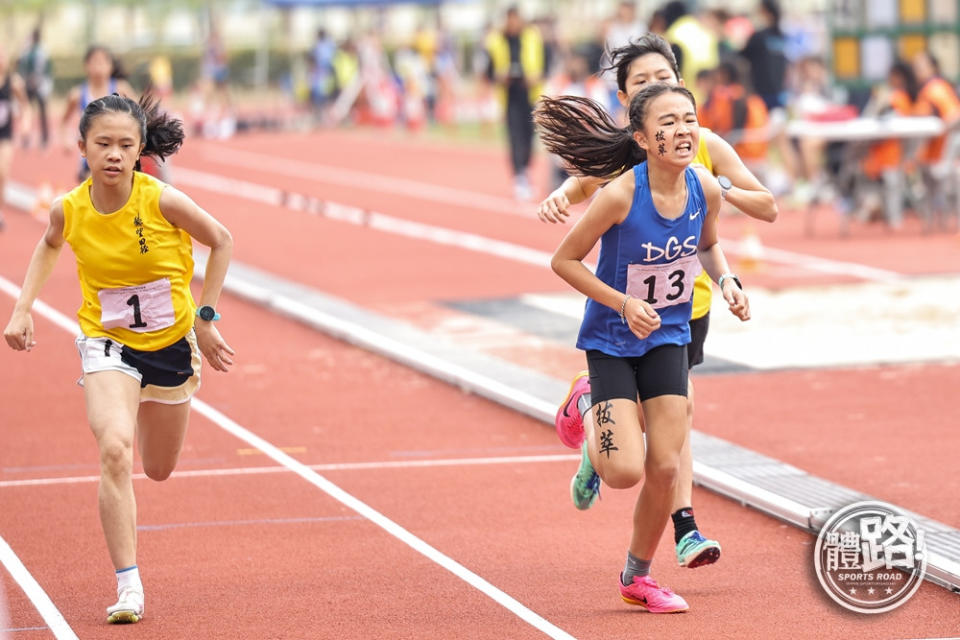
{"points": [[585, 136], [161, 134]]}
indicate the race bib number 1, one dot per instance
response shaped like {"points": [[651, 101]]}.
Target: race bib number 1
{"points": [[663, 285], [141, 308]]}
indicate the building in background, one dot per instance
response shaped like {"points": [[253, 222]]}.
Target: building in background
{"points": [[866, 37]]}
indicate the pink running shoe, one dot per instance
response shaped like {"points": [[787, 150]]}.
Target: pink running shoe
{"points": [[645, 592], [569, 422]]}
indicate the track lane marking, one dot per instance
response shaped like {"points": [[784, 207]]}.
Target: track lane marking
{"points": [[41, 601], [377, 221], [244, 523], [432, 553], [483, 244], [332, 466], [368, 181]]}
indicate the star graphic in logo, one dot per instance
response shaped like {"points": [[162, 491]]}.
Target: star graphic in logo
{"points": [[870, 590], [853, 590], [889, 590]]}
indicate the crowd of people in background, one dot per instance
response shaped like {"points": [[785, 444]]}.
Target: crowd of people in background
{"points": [[750, 73]]}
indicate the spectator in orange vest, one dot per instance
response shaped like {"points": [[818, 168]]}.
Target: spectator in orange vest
{"points": [[897, 97], [884, 161], [938, 98], [736, 115]]}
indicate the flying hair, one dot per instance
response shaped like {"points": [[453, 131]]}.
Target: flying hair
{"points": [[585, 136]]}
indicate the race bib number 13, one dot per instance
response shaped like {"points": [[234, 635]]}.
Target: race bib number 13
{"points": [[141, 308], [663, 285]]}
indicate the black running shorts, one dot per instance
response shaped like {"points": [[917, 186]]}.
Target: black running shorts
{"points": [[659, 372]]}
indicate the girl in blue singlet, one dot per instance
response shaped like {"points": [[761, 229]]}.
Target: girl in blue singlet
{"points": [[657, 224], [103, 77]]}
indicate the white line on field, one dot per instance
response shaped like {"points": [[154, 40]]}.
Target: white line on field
{"points": [[44, 605], [335, 492], [333, 466], [358, 216], [266, 163], [483, 244]]}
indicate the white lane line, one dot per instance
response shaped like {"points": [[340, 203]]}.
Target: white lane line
{"points": [[391, 527], [19, 196], [44, 605], [502, 598], [42, 308], [334, 466], [266, 163], [245, 523], [812, 263], [483, 244], [365, 338], [459, 239], [358, 216], [361, 217]]}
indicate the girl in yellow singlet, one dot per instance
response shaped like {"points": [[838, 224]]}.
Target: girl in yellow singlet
{"points": [[142, 332]]}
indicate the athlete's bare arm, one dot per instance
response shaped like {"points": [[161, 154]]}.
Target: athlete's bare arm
{"points": [[184, 213], [19, 331], [556, 206], [747, 194], [709, 252]]}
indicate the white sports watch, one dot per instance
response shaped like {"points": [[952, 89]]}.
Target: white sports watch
{"points": [[725, 185]]}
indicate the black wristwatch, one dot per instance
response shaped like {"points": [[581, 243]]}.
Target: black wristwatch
{"points": [[208, 313], [725, 185]]}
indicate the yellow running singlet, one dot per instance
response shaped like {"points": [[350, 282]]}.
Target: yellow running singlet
{"points": [[702, 286], [134, 268]]}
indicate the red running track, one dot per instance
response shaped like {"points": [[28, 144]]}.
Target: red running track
{"points": [[271, 556], [461, 189]]}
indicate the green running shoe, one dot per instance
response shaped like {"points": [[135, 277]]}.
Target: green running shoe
{"points": [[694, 550], [585, 484]]}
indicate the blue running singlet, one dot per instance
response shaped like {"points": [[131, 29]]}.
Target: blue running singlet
{"points": [[652, 258]]}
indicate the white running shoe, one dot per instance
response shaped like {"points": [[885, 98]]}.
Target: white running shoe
{"points": [[129, 607], [522, 190]]}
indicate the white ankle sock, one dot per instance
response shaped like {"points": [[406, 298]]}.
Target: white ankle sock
{"points": [[129, 577]]}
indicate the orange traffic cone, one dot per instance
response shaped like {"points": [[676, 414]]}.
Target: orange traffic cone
{"points": [[751, 250], [41, 205]]}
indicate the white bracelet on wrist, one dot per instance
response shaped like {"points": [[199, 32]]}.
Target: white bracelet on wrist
{"points": [[623, 308]]}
